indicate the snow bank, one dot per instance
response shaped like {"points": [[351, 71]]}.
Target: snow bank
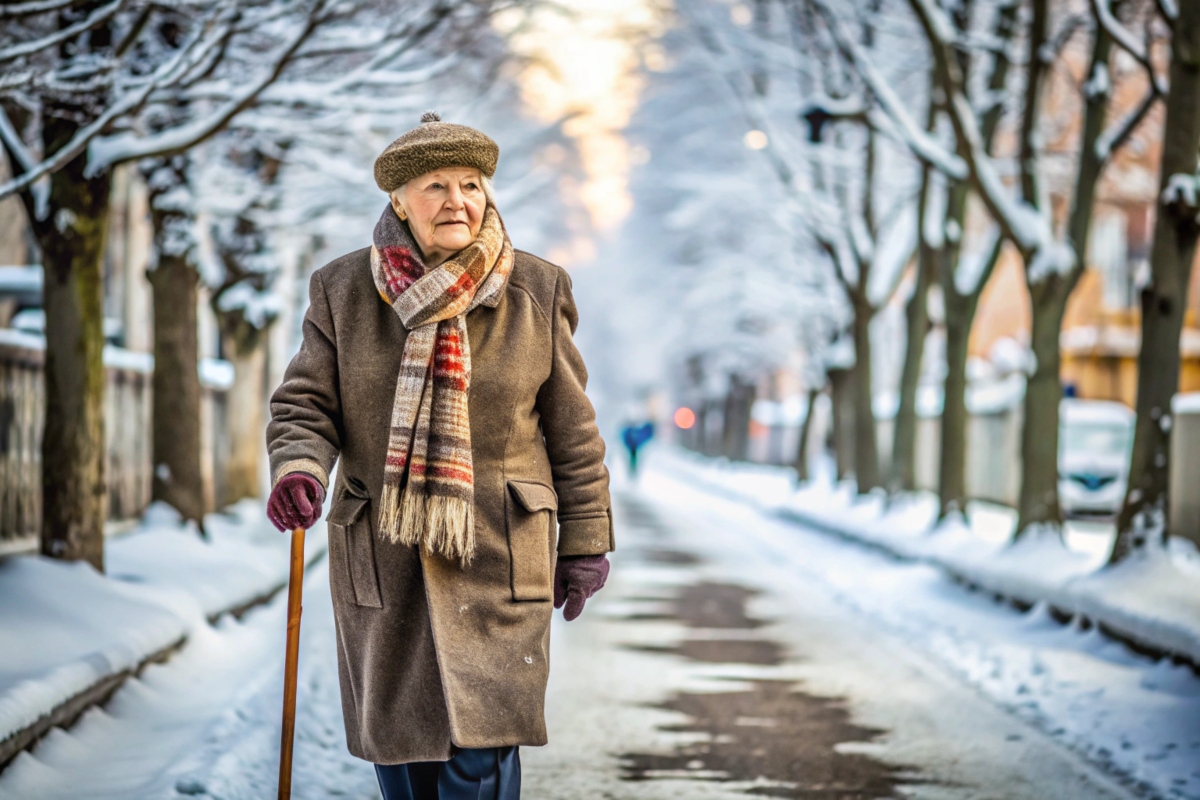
{"points": [[66, 627], [1152, 600], [1147, 598]]}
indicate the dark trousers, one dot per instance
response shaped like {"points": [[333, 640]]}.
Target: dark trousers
{"points": [[491, 773]]}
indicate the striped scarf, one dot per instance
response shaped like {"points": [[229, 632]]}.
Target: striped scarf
{"points": [[428, 482]]}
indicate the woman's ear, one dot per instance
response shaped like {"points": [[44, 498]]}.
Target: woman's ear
{"points": [[399, 209]]}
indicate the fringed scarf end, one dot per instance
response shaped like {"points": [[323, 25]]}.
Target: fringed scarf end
{"points": [[443, 525], [450, 528]]}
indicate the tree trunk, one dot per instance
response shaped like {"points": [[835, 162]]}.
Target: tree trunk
{"points": [[245, 423], [178, 479], [902, 471], [174, 281], [74, 499], [841, 390], [866, 449], [697, 429], [960, 319], [801, 463], [1144, 517], [735, 438], [1037, 502], [952, 484]]}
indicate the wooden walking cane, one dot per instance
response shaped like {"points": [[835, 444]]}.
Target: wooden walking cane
{"points": [[295, 589]]}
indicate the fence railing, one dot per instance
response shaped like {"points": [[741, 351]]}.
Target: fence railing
{"points": [[128, 403]]}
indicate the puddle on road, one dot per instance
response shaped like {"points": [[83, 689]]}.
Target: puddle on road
{"points": [[787, 742]]}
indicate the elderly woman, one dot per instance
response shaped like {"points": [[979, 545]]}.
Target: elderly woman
{"points": [[438, 364]]}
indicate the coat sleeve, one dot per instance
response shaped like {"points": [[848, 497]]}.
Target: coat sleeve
{"points": [[304, 434], [572, 439]]}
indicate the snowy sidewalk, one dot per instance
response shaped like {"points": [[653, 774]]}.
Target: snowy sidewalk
{"points": [[1151, 601], [71, 636]]}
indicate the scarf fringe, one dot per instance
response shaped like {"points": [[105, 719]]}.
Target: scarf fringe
{"points": [[442, 525]]}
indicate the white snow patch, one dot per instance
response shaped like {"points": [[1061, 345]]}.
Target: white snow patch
{"points": [[1187, 403], [1181, 190], [1099, 84], [1066, 571], [65, 626], [21, 279], [1053, 258], [216, 373]]}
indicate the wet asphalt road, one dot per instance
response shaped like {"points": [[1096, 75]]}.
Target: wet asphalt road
{"points": [[710, 668]]}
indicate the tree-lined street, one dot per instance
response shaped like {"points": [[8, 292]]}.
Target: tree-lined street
{"points": [[731, 654]]}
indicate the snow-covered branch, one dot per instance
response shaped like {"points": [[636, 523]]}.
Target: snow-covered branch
{"points": [[1169, 10], [26, 161], [1125, 39], [76, 145], [97, 17], [922, 145], [126, 147], [1020, 222], [16, 10], [1119, 132]]}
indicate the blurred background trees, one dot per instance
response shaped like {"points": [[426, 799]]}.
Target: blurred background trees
{"points": [[884, 241]]}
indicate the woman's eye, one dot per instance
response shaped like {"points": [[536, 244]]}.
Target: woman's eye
{"points": [[435, 186], [473, 187]]}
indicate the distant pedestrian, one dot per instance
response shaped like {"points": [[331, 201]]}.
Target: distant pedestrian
{"points": [[439, 366], [634, 437]]}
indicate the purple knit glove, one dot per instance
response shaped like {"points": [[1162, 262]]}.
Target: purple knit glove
{"points": [[295, 501], [576, 578]]}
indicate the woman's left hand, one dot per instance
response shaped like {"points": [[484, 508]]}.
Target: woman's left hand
{"points": [[576, 578]]}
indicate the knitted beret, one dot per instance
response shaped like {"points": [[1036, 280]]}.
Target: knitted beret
{"points": [[434, 145]]}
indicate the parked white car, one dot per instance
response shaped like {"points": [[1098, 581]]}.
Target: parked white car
{"points": [[1094, 442]]}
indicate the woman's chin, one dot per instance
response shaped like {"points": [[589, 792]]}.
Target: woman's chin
{"points": [[453, 242]]}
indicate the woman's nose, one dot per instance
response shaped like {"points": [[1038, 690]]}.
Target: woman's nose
{"points": [[454, 199]]}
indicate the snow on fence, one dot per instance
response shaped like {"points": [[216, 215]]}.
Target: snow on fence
{"points": [[127, 430]]}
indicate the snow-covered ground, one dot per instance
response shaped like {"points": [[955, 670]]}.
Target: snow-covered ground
{"points": [[1152, 598], [66, 627], [960, 695], [206, 723], [1138, 716]]}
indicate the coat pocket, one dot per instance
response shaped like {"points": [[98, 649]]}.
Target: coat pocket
{"points": [[350, 533], [530, 510]]}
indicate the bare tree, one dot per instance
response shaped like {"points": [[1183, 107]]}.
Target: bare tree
{"points": [[840, 203], [79, 76], [1053, 264], [1143, 521]]}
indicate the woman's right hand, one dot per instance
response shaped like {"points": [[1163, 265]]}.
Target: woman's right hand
{"points": [[295, 501]]}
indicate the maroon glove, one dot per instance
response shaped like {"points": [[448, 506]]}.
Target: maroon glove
{"points": [[576, 578], [295, 501]]}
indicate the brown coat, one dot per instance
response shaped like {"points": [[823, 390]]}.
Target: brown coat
{"points": [[429, 653]]}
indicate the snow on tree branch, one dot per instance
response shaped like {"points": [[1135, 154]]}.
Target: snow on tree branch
{"points": [[1169, 10], [25, 160], [922, 145], [93, 20], [1021, 223], [16, 10], [127, 147], [1125, 39]]}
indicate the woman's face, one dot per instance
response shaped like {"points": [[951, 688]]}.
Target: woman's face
{"points": [[444, 209]]}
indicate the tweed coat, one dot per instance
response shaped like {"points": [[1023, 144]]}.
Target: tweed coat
{"points": [[431, 653]]}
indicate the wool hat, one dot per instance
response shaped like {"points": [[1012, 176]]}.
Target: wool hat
{"points": [[434, 145]]}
